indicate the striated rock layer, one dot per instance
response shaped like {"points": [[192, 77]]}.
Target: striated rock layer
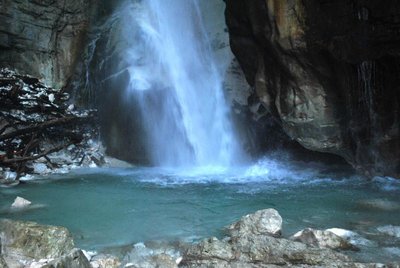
{"points": [[44, 38], [328, 72]]}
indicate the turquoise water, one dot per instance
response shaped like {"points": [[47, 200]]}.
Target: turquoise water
{"points": [[113, 207]]}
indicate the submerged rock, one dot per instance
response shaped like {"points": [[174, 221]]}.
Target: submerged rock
{"points": [[390, 230], [322, 239], [20, 202], [379, 204], [263, 222]]}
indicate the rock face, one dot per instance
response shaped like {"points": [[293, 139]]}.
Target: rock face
{"points": [[23, 238], [327, 71], [43, 38], [28, 244]]}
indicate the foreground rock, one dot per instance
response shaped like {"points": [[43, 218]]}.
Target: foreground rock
{"points": [[322, 239], [74, 259], [34, 241], [28, 244], [252, 246], [105, 261], [263, 222], [253, 243]]}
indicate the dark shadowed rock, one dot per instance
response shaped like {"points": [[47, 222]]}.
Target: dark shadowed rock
{"points": [[327, 72]]}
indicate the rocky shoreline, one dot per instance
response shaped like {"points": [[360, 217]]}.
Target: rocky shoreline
{"points": [[253, 241]]}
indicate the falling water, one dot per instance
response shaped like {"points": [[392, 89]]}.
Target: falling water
{"points": [[177, 86]]}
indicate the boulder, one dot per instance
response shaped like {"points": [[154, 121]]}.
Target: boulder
{"points": [[262, 222], [105, 261], [154, 254], [211, 248], [74, 259], [390, 230], [322, 239], [262, 250], [20, 202], [253, 243], [34, 241]]}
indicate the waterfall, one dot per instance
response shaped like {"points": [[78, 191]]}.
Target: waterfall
{"points": [[175, 82]]}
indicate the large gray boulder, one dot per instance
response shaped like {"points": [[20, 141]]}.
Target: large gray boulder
{"points": [[258, 251], [262, 222], [34, 241]]}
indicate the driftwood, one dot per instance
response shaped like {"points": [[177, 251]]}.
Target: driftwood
{"points": [[36, 121], [42, 126], [34, 157]]}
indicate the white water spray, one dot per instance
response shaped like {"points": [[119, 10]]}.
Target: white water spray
{"points": [[174, 76]]}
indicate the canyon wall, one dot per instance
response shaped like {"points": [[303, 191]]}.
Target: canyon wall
{"points": [[325, 72], [328, 73], [44, 38]]}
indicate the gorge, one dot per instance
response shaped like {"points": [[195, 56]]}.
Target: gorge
{"points": [[219, 108]]}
